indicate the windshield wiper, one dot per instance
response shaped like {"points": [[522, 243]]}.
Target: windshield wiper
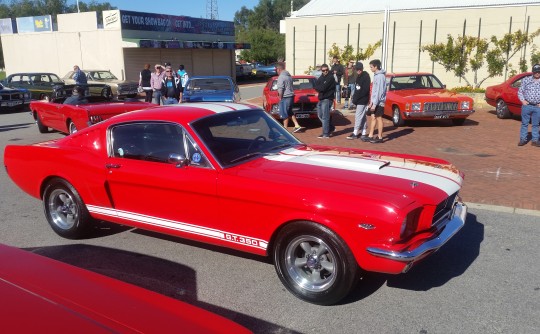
{"points": [[280, 146], [246, 156]]}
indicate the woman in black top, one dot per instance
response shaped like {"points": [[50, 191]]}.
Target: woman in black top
{"points": [[144, 82]]}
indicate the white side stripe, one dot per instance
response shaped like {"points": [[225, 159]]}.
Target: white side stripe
{"points": [[180, 226]]}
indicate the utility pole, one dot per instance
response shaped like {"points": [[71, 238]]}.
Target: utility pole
{"points": [[212, 10]]}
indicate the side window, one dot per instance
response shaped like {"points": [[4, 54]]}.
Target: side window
{"points": [[517, 83], [146, 141]]}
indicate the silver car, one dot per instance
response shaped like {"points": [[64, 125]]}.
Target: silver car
{"points": [[120, 88]]}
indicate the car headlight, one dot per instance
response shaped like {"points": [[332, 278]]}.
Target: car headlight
{"points": [[275, 109], [26, 95], [465, 105], [417, 106]]}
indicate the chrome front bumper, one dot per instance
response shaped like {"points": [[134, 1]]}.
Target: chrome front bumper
{"points": [[455, 223], [446, 113]]}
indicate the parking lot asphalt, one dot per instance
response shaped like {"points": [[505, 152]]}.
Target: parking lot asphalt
{"points": [[499, 175]]}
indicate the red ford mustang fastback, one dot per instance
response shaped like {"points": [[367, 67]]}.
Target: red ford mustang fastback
{"points": [[230, 175], [421, 96]]}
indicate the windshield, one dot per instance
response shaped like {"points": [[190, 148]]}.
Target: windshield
{"points": [[209, 84], [233, 137], [102, 75], [298, 83], [427, 81]]}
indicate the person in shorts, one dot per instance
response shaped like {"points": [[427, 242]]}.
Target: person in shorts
{"points": [[378, 99], [286, 97]]}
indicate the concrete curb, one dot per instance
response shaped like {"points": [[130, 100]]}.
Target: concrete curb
{"points": [[504, 209]]}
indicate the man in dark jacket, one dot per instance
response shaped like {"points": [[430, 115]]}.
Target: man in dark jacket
{"points": [[326, 87], [170, 87], [337, 70], [361, 100]]}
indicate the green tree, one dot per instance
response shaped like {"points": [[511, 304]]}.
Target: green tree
{"points": [[466, 54], [347, 53], [260, 28]]}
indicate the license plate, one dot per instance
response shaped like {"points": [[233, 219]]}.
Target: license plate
{"points": [[440, 116], [12, 103], [302, 115]]}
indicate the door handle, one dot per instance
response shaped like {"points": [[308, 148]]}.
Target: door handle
{"points": [[109, 166]]}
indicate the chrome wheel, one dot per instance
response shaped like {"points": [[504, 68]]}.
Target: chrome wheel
{"points": [[502, 109], [396, 117], [72, 128], [63, 211], [311, 263]]}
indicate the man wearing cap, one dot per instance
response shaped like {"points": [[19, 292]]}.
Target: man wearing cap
{"points": [[360, 98], [529, 95]]}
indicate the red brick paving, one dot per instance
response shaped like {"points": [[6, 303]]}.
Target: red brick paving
{"points": [[497, 171]]}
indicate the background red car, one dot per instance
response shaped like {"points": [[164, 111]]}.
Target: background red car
{"points": [[504, 96], [422, 96], [305, 97]]}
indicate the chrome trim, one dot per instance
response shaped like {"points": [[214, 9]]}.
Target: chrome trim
{"points": [[415, 114], [447, 232]]}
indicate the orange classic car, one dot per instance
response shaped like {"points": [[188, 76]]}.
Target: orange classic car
{"points": [[422, 96], [504, 96]]}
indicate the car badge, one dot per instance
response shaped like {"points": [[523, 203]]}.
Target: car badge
{"points": [[414, 184]]}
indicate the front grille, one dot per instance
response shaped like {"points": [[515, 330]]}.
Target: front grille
{"points": [[444, 208], [8, 97], [440, 106]]}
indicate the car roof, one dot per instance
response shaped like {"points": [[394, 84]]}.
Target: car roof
{"points": [[296, 77], [32, 73], [211, 77], [404, 74], [184, 112]]}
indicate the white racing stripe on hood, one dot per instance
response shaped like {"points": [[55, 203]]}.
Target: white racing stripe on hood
{"points": [[219, 107], [442, 179]]}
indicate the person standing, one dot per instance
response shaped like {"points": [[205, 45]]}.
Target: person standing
{"points": [[155, 82], [182, 74], [378, 99], [79, 76], [170, 87], [326, 87], [286, 97], [361, 100], [349, 79], [529, 95], [144, 81], [337, 71]]}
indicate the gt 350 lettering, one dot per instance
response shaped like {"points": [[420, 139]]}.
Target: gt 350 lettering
{"points": [[241, 240]]}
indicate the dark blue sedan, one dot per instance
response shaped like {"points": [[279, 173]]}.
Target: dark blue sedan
{"points": [[13, 98], [211, 89]]}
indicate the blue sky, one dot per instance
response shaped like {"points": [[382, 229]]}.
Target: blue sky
{"points": [[193, 8]]}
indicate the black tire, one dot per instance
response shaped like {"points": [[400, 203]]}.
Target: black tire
{"points": [[458, 121], [323, 278], [41, 128], [65, 210], [72, 128], [502, 110], [397, 120]]}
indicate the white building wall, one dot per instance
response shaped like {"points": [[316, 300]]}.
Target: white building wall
{"points": [[306, 48]]}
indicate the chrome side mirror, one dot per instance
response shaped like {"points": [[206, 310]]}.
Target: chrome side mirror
{"points": [[178, 159]]}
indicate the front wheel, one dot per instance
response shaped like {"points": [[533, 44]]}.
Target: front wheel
{"points": [[65, 210], [314, 263], [397, 120]]}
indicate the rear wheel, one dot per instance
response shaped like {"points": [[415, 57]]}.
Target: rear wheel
{"points": [[65, 210], [314, 263], [397, 120], [502, 110], [41, 128]]}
